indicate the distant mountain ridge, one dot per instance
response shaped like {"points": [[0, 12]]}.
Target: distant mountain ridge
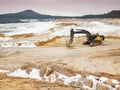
{"points": [[30, 14], [112, 14]]}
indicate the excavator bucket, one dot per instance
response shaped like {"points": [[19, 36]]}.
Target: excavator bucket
{"points": [[69, 41]]}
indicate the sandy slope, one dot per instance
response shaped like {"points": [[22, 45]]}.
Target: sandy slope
{"points": [[99, 60], [103, 60], [14, 83]]}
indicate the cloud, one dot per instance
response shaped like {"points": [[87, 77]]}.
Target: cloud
{"points": [[60, 7]]}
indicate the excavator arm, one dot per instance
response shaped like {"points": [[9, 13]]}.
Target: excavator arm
{"points": [[79, 31]]}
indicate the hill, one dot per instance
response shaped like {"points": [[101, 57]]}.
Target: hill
{"points": [[27, 14], [112, 14], [30, 14]]}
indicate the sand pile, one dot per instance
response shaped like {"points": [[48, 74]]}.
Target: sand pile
{"points": [[51, 74], [22, 36], [60, 41], [66, 24], [56, 41], [113, 37], [16, 83], [1, 35]]}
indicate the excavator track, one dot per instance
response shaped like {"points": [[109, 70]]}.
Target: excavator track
{"points": [[95, 43]]}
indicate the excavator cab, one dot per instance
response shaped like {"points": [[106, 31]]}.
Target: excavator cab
{"points": [[92, 39]]}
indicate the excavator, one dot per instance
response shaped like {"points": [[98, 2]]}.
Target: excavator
{"points": [[92, 39]]}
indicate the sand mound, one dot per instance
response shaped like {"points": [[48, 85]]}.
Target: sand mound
{"points": [[63, 69], [56, 41], [56, 75], [2, 35], [60, 67], [112, 37], [22, 36], [65, 24], [16, 83], [59, 41]]}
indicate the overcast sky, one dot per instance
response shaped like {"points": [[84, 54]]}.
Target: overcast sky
{"points": [[60, 7]]}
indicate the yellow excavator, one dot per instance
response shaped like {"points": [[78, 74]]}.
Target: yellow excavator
{"points": [[92, 39]]}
